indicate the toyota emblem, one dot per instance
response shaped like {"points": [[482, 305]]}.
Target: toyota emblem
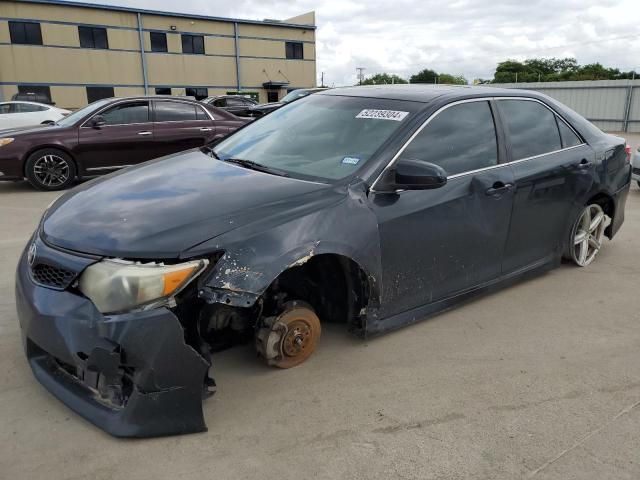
{"points": [[31, 254]]}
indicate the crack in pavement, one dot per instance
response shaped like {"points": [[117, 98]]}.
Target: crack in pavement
{"points": [[582, 440]]}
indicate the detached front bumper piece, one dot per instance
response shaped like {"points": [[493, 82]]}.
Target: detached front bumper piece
{"points": [[132, 375]]}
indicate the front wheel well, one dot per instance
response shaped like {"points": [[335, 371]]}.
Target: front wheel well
{"points": [[334, 285]]}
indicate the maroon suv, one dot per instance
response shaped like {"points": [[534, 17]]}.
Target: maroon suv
{"points": [[108, 135]]}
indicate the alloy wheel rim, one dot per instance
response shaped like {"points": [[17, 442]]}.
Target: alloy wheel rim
{"points": [[51, 170], [587, 239]]}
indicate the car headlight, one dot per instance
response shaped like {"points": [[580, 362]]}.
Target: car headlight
{"points": [[117, 285], [5, 141]]}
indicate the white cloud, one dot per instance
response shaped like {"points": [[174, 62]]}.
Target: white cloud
{"points": [[462, 37]]}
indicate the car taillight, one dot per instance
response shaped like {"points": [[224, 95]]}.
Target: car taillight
{"points": [[627, 149]]}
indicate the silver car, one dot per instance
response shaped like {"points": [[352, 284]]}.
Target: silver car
{"points": [[635, 164]]}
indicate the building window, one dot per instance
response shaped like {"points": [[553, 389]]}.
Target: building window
{"points": [[193, 44], [293, 50], [98, 93], [158, 42], [93, 37], [163, 91], [198, 93], [25, 33], [40, 94]]}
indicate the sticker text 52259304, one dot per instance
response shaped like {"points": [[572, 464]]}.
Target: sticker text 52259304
{"points": [[395, 115]]}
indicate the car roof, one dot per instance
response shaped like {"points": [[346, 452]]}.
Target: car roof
{"points": [[425, 93], [27, 101]]}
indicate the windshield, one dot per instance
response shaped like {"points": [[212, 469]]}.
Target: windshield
{"points": [[321, 136], [74, 117]]}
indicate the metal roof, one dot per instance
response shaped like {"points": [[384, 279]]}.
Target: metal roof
{"points": [[168, 14]]}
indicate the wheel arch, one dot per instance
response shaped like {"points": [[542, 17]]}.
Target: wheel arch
{"points": [[606, 201]]}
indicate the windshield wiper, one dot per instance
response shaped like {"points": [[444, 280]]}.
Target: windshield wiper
{"points": [[256, 166]]}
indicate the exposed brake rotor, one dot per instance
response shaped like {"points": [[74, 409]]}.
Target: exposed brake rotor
{"points": [[290, 338]]}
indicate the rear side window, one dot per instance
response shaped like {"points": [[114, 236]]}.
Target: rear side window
{"points": [[175, 112], [124, 114], [460, 139], [5, 108], [532, 128], [569, 138]]}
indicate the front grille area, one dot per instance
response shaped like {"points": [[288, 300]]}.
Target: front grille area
{"points": [[50, 276]]}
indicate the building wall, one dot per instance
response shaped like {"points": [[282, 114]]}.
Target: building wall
{"points": [[67, 68]]}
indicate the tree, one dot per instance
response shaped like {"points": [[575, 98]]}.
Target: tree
{"points": [[554, 70], [452, 79], [383, 78], [424, 76]]}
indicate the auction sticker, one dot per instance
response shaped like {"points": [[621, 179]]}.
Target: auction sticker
{"points": [[395, 115]]}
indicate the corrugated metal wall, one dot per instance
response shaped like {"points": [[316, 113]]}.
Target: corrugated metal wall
{"points": [[613, 105]]}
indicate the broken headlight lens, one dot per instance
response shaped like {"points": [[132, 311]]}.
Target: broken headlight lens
{"points": [[116, 285]]}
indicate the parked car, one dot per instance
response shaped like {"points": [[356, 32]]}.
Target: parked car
{"points": [[32, 97], [235, 104], [636, 167], [370, 206], [20, 114], [263, 109], [108, 135]]}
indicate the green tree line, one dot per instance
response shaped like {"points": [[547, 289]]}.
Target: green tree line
{"points": [[510, 71]]}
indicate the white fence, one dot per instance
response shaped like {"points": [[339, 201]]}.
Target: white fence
{"points": [[613, 105]]}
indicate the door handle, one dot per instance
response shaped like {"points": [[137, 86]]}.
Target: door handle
{"points": [[498, 188], [146, 132], [206, 129], [584, 164]]}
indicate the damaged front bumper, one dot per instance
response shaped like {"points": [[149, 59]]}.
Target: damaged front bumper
{"points": [[132, 374]]}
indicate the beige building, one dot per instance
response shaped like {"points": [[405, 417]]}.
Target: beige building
{"points": [[77, 53]]}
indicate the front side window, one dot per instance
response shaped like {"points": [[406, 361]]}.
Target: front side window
{"points": [[532, 128], [193, 44], [293, 50], [175, 112], [93, 37], [5, 108], [98, 93], [127, 113], [321, 137], [220, 102], [25, 33], [461, 138], [158, 42]]}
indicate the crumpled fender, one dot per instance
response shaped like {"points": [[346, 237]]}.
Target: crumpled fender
{"points": [[253, 258]]}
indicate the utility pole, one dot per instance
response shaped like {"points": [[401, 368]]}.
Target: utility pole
{"points": [[516, 77], [360, 74], [322, 79]]}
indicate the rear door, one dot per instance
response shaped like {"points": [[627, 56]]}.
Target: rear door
{"points": [[180, 126], [553, 170], [125, 139]]}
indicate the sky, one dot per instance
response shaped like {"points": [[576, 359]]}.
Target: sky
{"points": [[461, 37]]}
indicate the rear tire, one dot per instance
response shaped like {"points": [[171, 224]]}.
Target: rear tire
{"points": [[50, 169], [586, 236]]}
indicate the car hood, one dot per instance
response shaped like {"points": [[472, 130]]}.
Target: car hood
{"points": [[163, 207], [267, 106], [20, 131]]}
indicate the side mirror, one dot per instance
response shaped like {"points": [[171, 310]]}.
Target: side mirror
{"points": [[412, 174], [98, 121]]}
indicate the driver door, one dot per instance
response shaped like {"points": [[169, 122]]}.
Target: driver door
{"points": [[441, 242]]}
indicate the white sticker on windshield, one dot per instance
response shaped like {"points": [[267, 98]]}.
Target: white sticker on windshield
{"points": [[382, 114]]}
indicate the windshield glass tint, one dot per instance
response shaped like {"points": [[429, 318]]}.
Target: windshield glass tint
{"points": [[320, 136], [79, 114]]}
